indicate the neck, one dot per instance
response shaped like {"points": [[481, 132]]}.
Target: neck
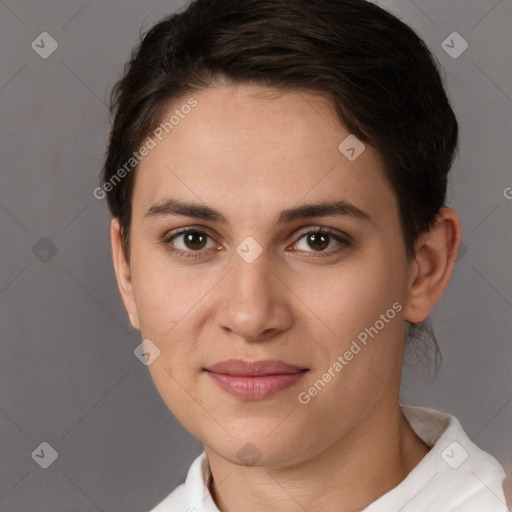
{"points": [[365, 463]]}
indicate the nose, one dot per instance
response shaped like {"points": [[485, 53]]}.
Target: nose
{"points": [[255, 299]]}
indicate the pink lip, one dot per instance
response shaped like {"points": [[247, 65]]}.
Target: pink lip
{"points": [[254, 380]]}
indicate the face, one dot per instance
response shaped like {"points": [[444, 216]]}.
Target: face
{"points": [[278, 325]]}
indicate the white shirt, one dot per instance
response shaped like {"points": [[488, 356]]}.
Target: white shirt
{"points": [[454, 476]]}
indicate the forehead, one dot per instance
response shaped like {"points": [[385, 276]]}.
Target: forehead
{"points": [[249, 147]]}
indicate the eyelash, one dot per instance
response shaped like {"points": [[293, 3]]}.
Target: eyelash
{"points": [[190, 254]]}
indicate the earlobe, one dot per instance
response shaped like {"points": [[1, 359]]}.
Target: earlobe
{"points": [[433, 265], [123, 273]]}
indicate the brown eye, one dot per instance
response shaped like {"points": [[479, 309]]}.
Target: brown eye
{"points": [[194, 240], [188, 241], [318, 241]]}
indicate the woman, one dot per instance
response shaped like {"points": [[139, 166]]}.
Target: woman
{"points": [[276, 175]]}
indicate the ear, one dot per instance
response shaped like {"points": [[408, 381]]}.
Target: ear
{"points": [[123, 273], [432, 265]]}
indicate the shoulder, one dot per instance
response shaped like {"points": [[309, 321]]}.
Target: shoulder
{"points": [[456, 474], [174, 502]]}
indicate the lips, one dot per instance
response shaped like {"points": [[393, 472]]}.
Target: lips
{"points": [[254, 380]]}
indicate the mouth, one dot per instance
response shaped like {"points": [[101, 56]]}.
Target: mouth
{"points": [[254, 380]]}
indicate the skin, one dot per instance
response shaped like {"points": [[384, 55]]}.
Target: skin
{"points": [[251, 152]]}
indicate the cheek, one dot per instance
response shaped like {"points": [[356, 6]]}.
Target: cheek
{"points": [[163, 292], [172, 303], [363, 306], [165, 298], [354, 297]]}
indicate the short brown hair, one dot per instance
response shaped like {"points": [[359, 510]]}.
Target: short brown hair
{"points": [[381, 78]]}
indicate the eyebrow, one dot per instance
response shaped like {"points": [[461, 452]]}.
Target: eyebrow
{"points": [[172, 206]]}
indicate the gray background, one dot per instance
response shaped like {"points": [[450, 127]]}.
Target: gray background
{"points": [[68, 375]]}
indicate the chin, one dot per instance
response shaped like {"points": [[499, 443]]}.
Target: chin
{"points": [[259, 449]]}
